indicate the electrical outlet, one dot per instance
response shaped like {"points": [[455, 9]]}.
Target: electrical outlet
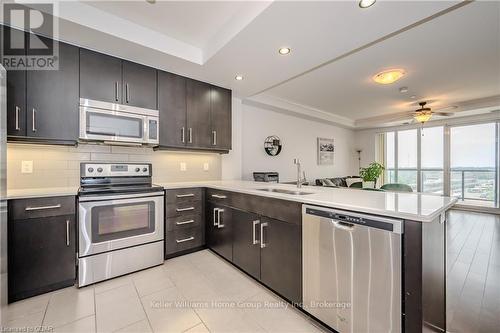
{"points": [[26, 166], [183, 166], [206, 166]]}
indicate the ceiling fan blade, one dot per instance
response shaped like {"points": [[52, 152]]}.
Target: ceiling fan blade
{"points": [[443, 114], [444, 109]]}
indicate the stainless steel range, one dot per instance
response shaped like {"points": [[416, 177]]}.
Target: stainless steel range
{"points": [[120, 220]]}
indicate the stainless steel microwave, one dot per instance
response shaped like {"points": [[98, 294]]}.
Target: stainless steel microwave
{"points": [[118, 124]]}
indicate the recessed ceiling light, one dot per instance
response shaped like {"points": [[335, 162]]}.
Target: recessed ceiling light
{"points": [[389, 76], [238, 77], [284, 50], [403, 90], [366, 3]]}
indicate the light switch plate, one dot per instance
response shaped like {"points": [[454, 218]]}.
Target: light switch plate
{"points": [[183, 166], [26, 166], [206, 166]]}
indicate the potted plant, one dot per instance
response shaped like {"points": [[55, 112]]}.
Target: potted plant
{"points": [[370, 174]]}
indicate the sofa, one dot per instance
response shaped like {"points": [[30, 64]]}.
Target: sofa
{"points": [[348, 181]]}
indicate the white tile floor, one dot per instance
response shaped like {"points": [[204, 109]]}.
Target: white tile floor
{"points": [[194, 293]]}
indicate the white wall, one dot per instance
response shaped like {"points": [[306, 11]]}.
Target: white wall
{"points": [[231, 163], [299, 138]]}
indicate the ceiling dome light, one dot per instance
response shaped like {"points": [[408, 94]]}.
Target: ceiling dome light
{"points": [[422, 116], [238, 77], [389, 76], [284, 50], [366, 3]]}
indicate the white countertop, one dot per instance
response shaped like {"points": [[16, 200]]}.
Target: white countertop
{"points": [[412, 206], [41, 192]]}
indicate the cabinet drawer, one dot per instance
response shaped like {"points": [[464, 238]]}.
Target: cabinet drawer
{"points": [[183, 222], [184, 209], [183, 239], [21, 209], [184, 195]]}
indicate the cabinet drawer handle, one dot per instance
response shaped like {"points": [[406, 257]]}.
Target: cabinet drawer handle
{"points": [[184, 222], [262, 243], [221, 213], [214, 138], [67, 232], [185, 195], [216, 211], [33, 120], [184, 209], [183, 134], [190, 134], [254, 232], [42, 207], [219, 196], [116, 91], [17, 118], [185, 239]]}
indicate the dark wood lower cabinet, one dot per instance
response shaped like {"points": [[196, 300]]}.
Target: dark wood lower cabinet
{"points": [[219, 234], [246, 241], [41, 254], [281, 258]]}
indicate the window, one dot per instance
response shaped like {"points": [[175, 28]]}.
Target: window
{"points": [[407, 158], [432, 160]]}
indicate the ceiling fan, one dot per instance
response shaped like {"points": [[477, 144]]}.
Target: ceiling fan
{"points": [[425, 113]]}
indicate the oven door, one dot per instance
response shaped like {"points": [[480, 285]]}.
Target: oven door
{"points": [[108, 223], [112, 125]]}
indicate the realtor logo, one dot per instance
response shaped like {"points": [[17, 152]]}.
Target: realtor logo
{"points": [[29, 50]]}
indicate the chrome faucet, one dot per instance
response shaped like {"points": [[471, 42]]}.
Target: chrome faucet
{"points": [[300, 181]]}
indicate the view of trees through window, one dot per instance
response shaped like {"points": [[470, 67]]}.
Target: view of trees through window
{"points": [[472, 161]]}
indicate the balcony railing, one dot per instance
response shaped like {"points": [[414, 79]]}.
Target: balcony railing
{"points": [[474, 184]]}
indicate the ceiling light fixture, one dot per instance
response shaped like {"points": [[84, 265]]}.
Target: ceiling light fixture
{"points": [[389, 76], [403, 90], [366, 3], [284, 50], [422, 116], [238, 77]]}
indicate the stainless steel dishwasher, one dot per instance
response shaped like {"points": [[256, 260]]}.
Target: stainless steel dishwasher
{"points": [[352, 269]]}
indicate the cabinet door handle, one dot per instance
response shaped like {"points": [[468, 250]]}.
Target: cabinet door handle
{"points": [[184, 240], [33, 119], [17, 118], [219, 196], [127, 92], [116, 91], [262, 243], [254, 232], [42, 207], [184, 222], [184, 209], [185, 195], [67, 232], [190, 135], [214, 138], [216, 210], [221, 213], [183, 135]]}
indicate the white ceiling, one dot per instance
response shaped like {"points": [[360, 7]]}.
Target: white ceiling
{"points": [[450, 59], [449, 54]]}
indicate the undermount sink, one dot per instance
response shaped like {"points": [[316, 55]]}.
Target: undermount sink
{"points": [[280, 190]]}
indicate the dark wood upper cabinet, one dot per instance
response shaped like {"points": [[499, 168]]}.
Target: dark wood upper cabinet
{"points": [[198, 133], [16, 87], [246, 241], [139, 86], [100, 77], [281, 258], [172, 106], [52, 98], [220, 118]]}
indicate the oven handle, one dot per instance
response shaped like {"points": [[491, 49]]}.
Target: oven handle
{"points": [[119, 197]]}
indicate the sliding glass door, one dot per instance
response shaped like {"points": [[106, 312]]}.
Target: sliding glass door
{"points": [[473, 164], [461, 161]]}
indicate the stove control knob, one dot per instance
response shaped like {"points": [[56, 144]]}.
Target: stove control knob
{"points": [[145, 169], [137, 169], [99, 169], [90, 169]]}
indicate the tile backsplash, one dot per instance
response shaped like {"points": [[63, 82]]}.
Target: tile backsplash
{"points": [[59, 166]]}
